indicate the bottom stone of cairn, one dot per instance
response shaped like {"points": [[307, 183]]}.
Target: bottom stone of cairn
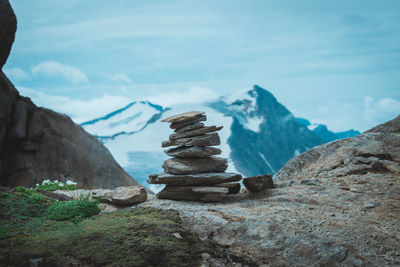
{"points": [[198, 193]]}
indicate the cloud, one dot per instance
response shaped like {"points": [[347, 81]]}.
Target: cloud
{"points": [[191, 96], [380, 110], [120, 77], [79, 110], [53, 68], [17, 74]]}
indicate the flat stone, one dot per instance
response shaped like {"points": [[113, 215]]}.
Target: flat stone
{"points": [[178, 125], [187, 116], [202, 140], [189, 127], [193, 152], [196, 179], [197, 193], [194, 165], [234, 188], [258, 183], [128, 195], [195, 132]]}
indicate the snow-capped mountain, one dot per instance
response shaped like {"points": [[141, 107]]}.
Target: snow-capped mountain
{"points": [[324, 133], [259, 136]]}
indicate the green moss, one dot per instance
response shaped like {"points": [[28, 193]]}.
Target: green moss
{"points": [[137, 237], [397, 131], [311, 184]]}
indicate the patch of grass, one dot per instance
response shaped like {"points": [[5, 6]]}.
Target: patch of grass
{"points": [[136, 237], [397, 131], [72, 209]]}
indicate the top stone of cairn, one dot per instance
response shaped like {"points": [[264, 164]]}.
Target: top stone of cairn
{"points": [[187, 116]]}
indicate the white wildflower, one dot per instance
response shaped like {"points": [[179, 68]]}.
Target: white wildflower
{"points": [[69, 182]]}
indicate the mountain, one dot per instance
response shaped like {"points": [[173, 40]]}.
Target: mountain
{"points": [[259, 136], [324, 133]]}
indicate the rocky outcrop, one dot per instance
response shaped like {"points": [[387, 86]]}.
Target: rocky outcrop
{"points": [[335, 205], [38, 144]]}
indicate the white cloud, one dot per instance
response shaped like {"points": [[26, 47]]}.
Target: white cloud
{"points": [[120, 77], [53, 68], [380, 110], [17, 74], [191, 96], [79, 110]]}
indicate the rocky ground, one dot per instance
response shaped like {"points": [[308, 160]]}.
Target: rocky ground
{"points": [[335, 205]]}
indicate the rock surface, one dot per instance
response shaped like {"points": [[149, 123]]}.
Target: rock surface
{"points": [[189, 127], [258, 183], [204, 140], [335, 205], [194, 165], [193, 152], [194, 179], [38, 144]]}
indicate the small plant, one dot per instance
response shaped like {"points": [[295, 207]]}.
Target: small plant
{"points": [[311, 184], [74, 210], [48, 185], [396, 131]]}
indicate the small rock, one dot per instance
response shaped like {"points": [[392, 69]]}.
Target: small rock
{"points": [[258, 183], [128, 195], [195, 132], [187, 116], [202, 140], [369, 205], [35, 262], [193, 152], [190, 127], [179, 125], [205, 256], [203, 179], [194, 165], [177, 235]]}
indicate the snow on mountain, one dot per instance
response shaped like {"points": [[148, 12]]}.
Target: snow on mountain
{"points": [[259, 135]]}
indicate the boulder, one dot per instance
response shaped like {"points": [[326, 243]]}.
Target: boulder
{"points": [[127, 195], [203, 179], [193, 152], [194, 165], [195, 193], [203, 140], [190, 127], [37, 144], [183, 117], [196, 132], [179, 125], [258, 183]]}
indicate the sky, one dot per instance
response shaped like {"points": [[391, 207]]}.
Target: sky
{"points": [[332, 62]]}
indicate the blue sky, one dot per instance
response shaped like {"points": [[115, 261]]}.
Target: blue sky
{"points": [[333, 62]]}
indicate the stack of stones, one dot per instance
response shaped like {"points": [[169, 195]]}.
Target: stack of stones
{"points": [[194, 172]]}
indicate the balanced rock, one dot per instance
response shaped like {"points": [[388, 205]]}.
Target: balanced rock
{"points": [[193, 152], [198, 193], [189, 127], [258, 183], [194, 165], [178, 125], [187, 116], [196, 132], [202, 179], [203, 140]]}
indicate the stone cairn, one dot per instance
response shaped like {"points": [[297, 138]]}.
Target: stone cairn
{"points": [[194, 172]]}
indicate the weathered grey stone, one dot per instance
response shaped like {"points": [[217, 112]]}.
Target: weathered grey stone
{"points": [[19, 121], [196, 193], [194, 165], [258, 183], [194, 179], [203, 140], [195, 132], [179, 125], [187, 116], [128, 195], [193, 152], [189, 127]]}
